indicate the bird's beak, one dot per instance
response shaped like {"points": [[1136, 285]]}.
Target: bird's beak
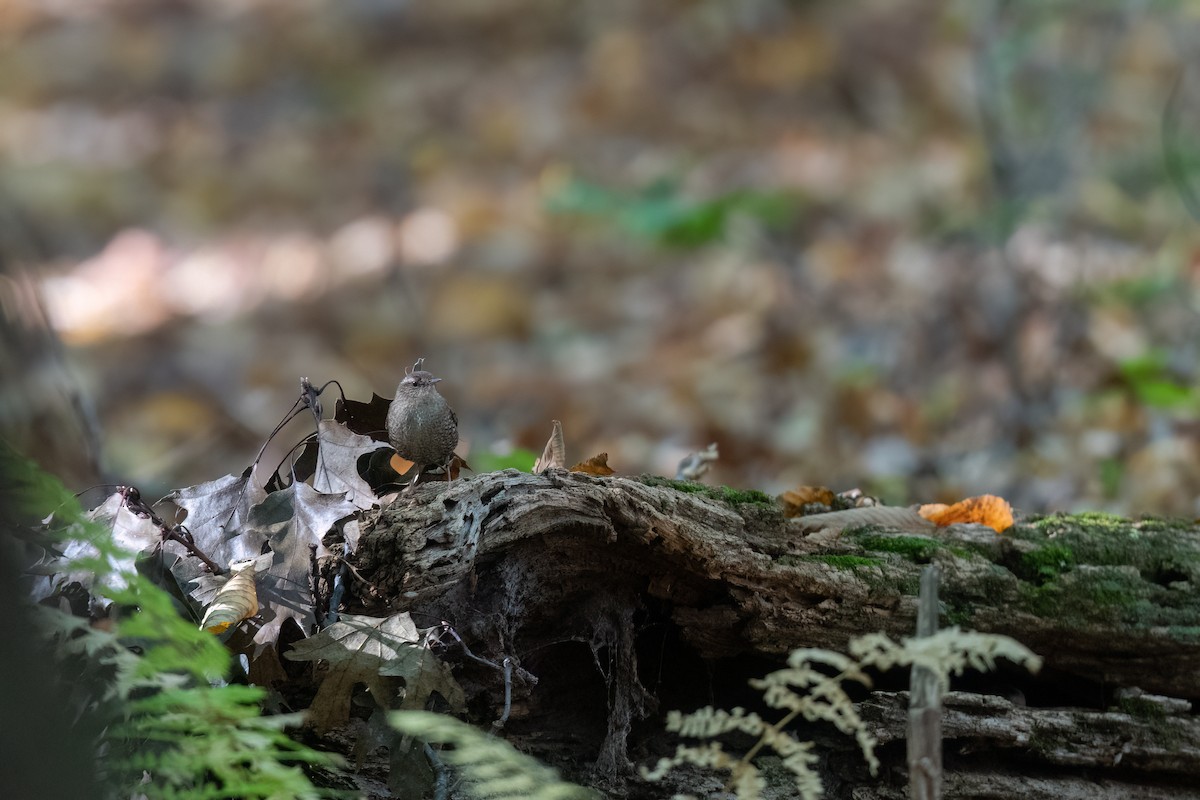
{"points": [[435, 380]]}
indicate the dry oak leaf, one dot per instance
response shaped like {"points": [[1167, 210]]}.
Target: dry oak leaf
{"points": [[794, 500], [596, 465], [216, 516], [375, 652], [338, 452], [288, 525], [456, 465], [986, 509], [294, 520], [368, 419], [131, 533]]}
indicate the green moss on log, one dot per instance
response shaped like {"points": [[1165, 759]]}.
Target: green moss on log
{"points": [[837, 561], [724, 493], [918, 549]]}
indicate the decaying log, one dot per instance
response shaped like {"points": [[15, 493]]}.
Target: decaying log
{"points": [[1085, 745], [628, 597]]}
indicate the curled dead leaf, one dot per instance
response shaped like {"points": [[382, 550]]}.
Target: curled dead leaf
{"points": [[596, 465], [554, 455], [237, 600], [986, 509]]}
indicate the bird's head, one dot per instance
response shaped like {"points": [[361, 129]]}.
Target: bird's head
{"points": [[419, 378]]}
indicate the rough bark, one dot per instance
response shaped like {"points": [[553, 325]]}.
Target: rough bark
{"points": [[630, 597]]}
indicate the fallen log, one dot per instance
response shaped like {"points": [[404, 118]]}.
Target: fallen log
{"points": [[628, 597]]}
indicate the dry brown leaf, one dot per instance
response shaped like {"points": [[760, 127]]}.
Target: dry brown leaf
{"points": [[380, 653], [794, 500], [401, 465], [986, 509], [596, 465], [237, 600], [554, 455], [457, 464]]}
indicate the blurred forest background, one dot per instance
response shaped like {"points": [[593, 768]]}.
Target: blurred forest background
{"points": [[929, 249]]}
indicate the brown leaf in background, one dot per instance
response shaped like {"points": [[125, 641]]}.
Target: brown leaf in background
{"points": [[596, 465], [794, 500], [554, 455], [986, 509]]}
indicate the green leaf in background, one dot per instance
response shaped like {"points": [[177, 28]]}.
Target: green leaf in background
{"points": [[660, 213], [1154, 384], [494, 462]]}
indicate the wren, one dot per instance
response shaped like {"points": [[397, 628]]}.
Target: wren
{"points": [[421, 425]]}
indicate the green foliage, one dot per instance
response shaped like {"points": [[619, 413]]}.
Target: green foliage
{"points": [[1112, 474], [154, 684], [1150, 379], [518, 458], [492, 767], [660, 213], [812, 687], [211, 741]]}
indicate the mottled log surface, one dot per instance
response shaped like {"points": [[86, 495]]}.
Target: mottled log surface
{"points": [[1153, 740], [628, 597]]}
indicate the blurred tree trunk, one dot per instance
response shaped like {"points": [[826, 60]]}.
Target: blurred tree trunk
{"points": [[43, 412]]}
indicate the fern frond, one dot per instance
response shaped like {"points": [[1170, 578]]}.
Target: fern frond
{"points": [[170, 726], [806, 688], [492, 767], [948, 652]]}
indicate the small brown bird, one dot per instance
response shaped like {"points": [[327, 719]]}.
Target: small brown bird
{"points": [[421, 425]]}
